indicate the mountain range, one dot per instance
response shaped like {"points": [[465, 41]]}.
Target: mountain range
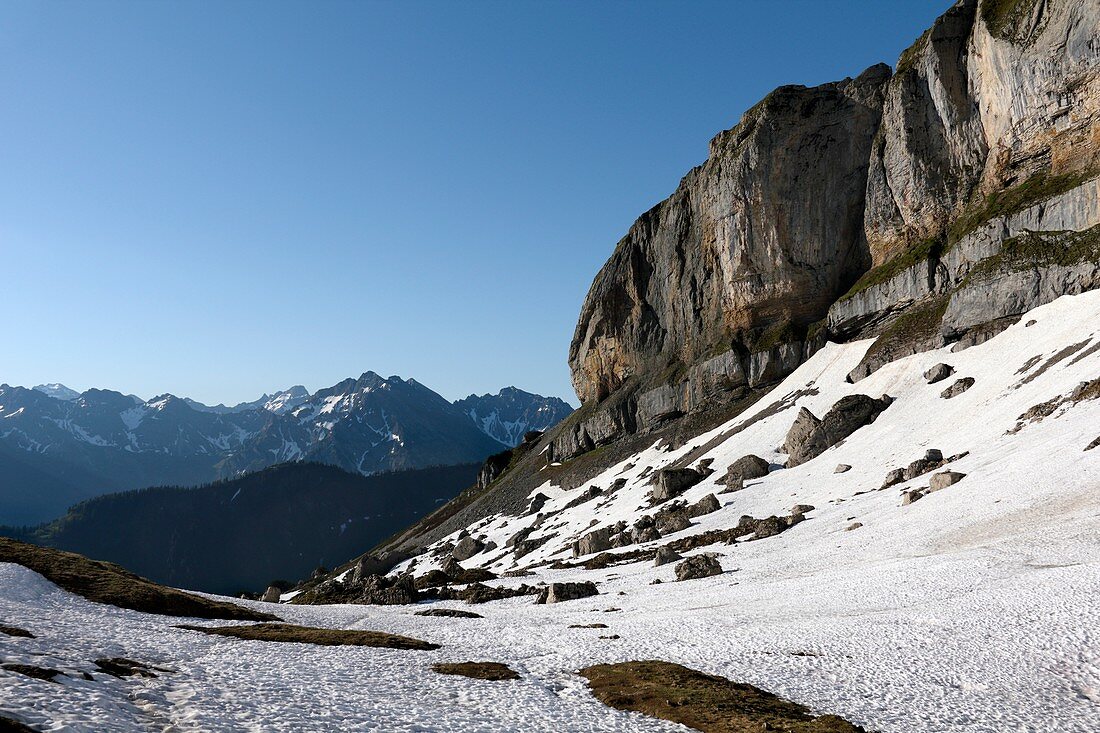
{"points": [[58, 447]]}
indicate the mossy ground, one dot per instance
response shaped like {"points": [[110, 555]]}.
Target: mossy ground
{"points": [[701, 701], [1040, 249], [478, 670], [104, 582], [309, 635]]}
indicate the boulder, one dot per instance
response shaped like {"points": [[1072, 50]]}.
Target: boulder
{"points": [[802, 508], [597, 540], [746, 467], [932, 459], [842, 468], [735, 483], [558, 592], [944, 479], [956, 389], [671, 522], [385, 591], [466, 548], [671, 482], [665, 555], [698, 566], [706, 505], [537, 502], [810, 437], [939, 373], [908, 497], [853, 525], [271, 595], [894, 477]]}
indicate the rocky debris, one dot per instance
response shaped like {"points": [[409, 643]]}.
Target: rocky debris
{"points": [[944, 479], [466, 548], [493, 671], [588, 626], [852, 526], [704, 467], [665, 555], [809, 437], [745, 468], [559, 592], [448, 613], [671, 482], [956, 389], [932, 459], [939, 373], [271, 595], [476, 593], [699, 566], [842, 468], [452, 573]]}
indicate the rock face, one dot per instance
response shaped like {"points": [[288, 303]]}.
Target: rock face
{"points": [[810, 437], [763, 235]]}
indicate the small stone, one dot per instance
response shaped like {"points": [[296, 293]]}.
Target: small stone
{"points": [[665, 555], [853, 525], [842, 468], [909, 497], [894, 477], [801, 508]]}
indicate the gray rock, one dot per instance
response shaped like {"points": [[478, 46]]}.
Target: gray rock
{"points": [[698, 566], [810, 437], [853, 526], [733, 484], [956, 389], [842, 468], [271, 595], [665, 555], [748, 467], [908, 497], [671, 482], [939, 373], [944, 479], [537, 502], [932, 459], [559, 592], [466, 548], [673, 522], [598, 540], [802, 508]]}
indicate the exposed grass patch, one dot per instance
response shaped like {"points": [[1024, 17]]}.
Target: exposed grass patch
{"points": [[913, 255], [701, 701], [1040, 249], [783, 332], [308, 635], [104, 582], [478, 670], [1003, 17]]}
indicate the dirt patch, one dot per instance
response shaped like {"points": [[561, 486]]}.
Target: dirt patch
{"points": [[104, 582], [310, 635], [478, 670], [16, 631], [39, 673], [701, 701]]}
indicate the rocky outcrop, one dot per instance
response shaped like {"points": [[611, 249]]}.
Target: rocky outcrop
{"points": [[712, 289], [698, 566], [809, 437], [558, 592]]}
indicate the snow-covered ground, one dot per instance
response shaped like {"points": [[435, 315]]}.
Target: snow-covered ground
{"points": [[976, 608]]}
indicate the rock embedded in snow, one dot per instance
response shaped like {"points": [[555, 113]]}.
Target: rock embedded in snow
{"points": [[466, 548], [932, 459], [746, 467], [810, 437], [908, 497], [852, 526], [271, 595], [698, 566], [939, 373], [671, 482], [597, 540], [956, 389], [842, 468], [665, 555], [559, 592], [944, 479], [801, 509], [707, 505]]}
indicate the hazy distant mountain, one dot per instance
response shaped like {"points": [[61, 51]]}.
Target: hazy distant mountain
{"points": [[510, 413], [58, 391], [58, 450], [281, 522]]}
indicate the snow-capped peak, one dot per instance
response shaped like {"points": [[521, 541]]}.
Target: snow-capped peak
{"points": [[58, 391]]}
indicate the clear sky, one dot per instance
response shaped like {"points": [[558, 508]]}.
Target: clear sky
{"points": [[217, 199]]}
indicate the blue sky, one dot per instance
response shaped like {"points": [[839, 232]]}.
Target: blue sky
{"points": [[221, 199]]}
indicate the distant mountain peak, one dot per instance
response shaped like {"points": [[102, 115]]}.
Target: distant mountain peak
{"points": [[58, 391], [512, 412]]}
